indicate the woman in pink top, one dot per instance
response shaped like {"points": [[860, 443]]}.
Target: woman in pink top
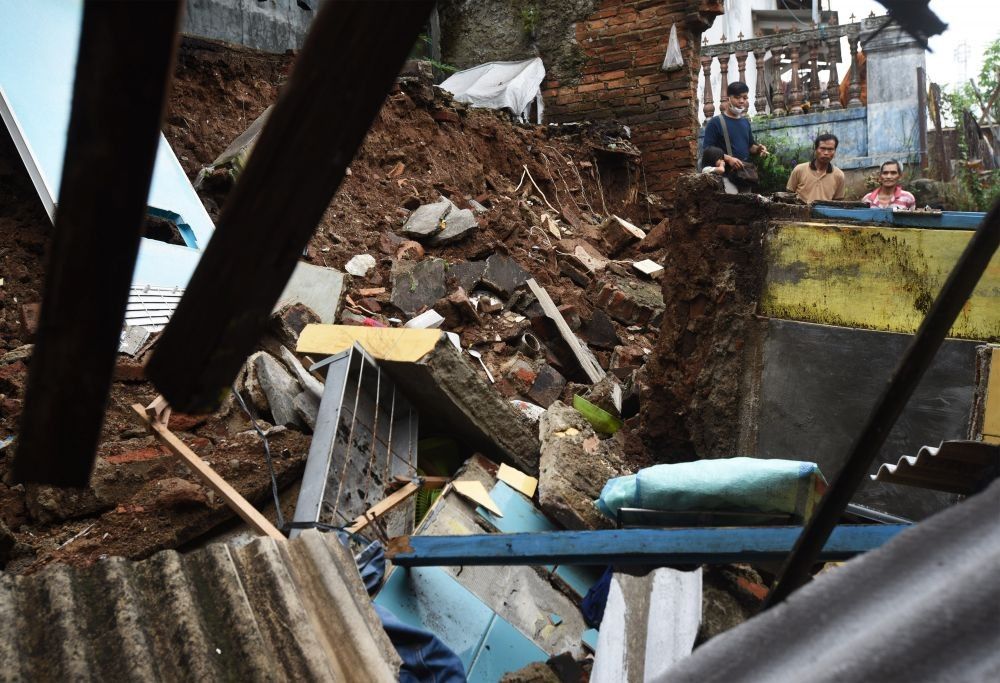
{"points": [[889, 195]]}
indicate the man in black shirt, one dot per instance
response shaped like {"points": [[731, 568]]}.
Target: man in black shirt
{"points": [[740, 135]]}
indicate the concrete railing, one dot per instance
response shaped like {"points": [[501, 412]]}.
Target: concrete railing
{"points": [[800, 55]]}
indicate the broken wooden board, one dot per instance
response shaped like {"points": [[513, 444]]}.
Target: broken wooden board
{"points": [[379, 510], [407, 345], [583, 355], [477, 493], [873, 278], [210, 477], [119, 96], [297, 165], [517, 480]]}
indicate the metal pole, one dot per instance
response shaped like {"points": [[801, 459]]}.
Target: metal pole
{"points": [[956, 291]]}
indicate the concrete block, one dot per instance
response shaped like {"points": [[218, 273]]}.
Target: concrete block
{"points": [[415, 285], [317, 287]]}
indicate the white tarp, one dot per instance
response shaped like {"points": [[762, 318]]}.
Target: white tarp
{"points": [[500, 85]]}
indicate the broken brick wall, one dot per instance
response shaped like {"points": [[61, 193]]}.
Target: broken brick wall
{"points": [[694, 381], [603, 61]]}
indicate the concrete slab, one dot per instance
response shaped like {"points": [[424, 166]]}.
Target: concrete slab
{"points": [[819, 383], [317, 287], [415, 285]]}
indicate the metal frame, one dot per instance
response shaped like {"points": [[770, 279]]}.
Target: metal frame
{"points": [[347, 470]]}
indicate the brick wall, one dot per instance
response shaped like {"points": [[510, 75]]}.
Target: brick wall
{"points": [[624, 42]]}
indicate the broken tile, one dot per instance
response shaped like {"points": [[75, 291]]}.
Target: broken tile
{"points": [[289, 321], [599, 331], [649, 268], [503, 274], [627, 300], [425, 221], [477, 493], [547, 387], [317, 287], [426, 320], [459, 224], [360, 265], [571, 267], [467, 273], [29, 319], [417, 284], [409, 251], [308, 381], [517, 479], [280, 388], [617, 233]]}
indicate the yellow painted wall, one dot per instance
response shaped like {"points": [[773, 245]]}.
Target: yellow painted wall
{"points": [[874, 278], [991, 421]]}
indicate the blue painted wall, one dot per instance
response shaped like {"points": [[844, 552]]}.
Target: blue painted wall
{"points": [[38, 50]]}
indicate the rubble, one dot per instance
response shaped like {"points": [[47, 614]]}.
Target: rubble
{"points": [[573, 466], [417, 284], [628, 301], [426, 221], [360, 265], [503, 275], [280, 389]]}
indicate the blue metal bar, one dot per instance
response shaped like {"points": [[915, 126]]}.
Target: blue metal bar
{"points": [[711, 545], [946, 220]]}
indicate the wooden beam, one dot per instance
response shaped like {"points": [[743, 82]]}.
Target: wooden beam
{"points": [[433, 482], [351, 56], [587, 361], [382, 508], [709, 545], [210, 477], [123, 69]]}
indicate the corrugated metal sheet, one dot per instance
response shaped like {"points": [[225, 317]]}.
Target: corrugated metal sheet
{"points": [[924, 607], [268, 610], [956, 467]]}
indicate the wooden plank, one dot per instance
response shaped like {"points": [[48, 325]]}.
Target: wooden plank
{"points": [[124, 67], [382, 508], [231, 496], [991, 409], [351, 56], [382, 343], [873, 278], [587, 361], [711, 545], [428, 482]]}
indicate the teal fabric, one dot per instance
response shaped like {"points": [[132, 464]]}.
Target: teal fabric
{"points": [[735, 484]]}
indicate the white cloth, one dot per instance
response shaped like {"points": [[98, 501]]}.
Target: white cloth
{"points": [[500, 85]]}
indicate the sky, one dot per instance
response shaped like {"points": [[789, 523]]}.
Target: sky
{"points": [[972, 25]]}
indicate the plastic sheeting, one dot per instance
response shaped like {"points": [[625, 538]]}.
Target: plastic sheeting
{"points": [[500, 85]]}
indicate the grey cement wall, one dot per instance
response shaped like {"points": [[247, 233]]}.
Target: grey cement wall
{"points": [[819, 383], [478, 31], [266, 25], [893, 58]]}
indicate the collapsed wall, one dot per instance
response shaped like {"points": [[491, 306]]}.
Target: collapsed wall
{"points": [[603, 61], [692, 401]]}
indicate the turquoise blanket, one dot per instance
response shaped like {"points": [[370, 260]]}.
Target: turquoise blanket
{"points": [[733, 484]]}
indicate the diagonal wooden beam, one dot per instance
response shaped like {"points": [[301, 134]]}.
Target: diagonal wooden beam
{"points": [[351, 56], [123, 70]]}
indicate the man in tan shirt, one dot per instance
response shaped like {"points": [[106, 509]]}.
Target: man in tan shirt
{"points": [[819, 179]]}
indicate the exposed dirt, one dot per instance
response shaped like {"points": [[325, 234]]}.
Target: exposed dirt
{"points": [[421, 146]]}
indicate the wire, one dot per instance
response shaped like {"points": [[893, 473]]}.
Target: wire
{"points": [[267, 456]]}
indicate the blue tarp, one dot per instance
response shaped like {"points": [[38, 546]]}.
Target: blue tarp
{"points": [[735, 484]]}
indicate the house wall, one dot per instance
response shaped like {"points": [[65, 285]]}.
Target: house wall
{"points": [[602, 60], [266, 25]]}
